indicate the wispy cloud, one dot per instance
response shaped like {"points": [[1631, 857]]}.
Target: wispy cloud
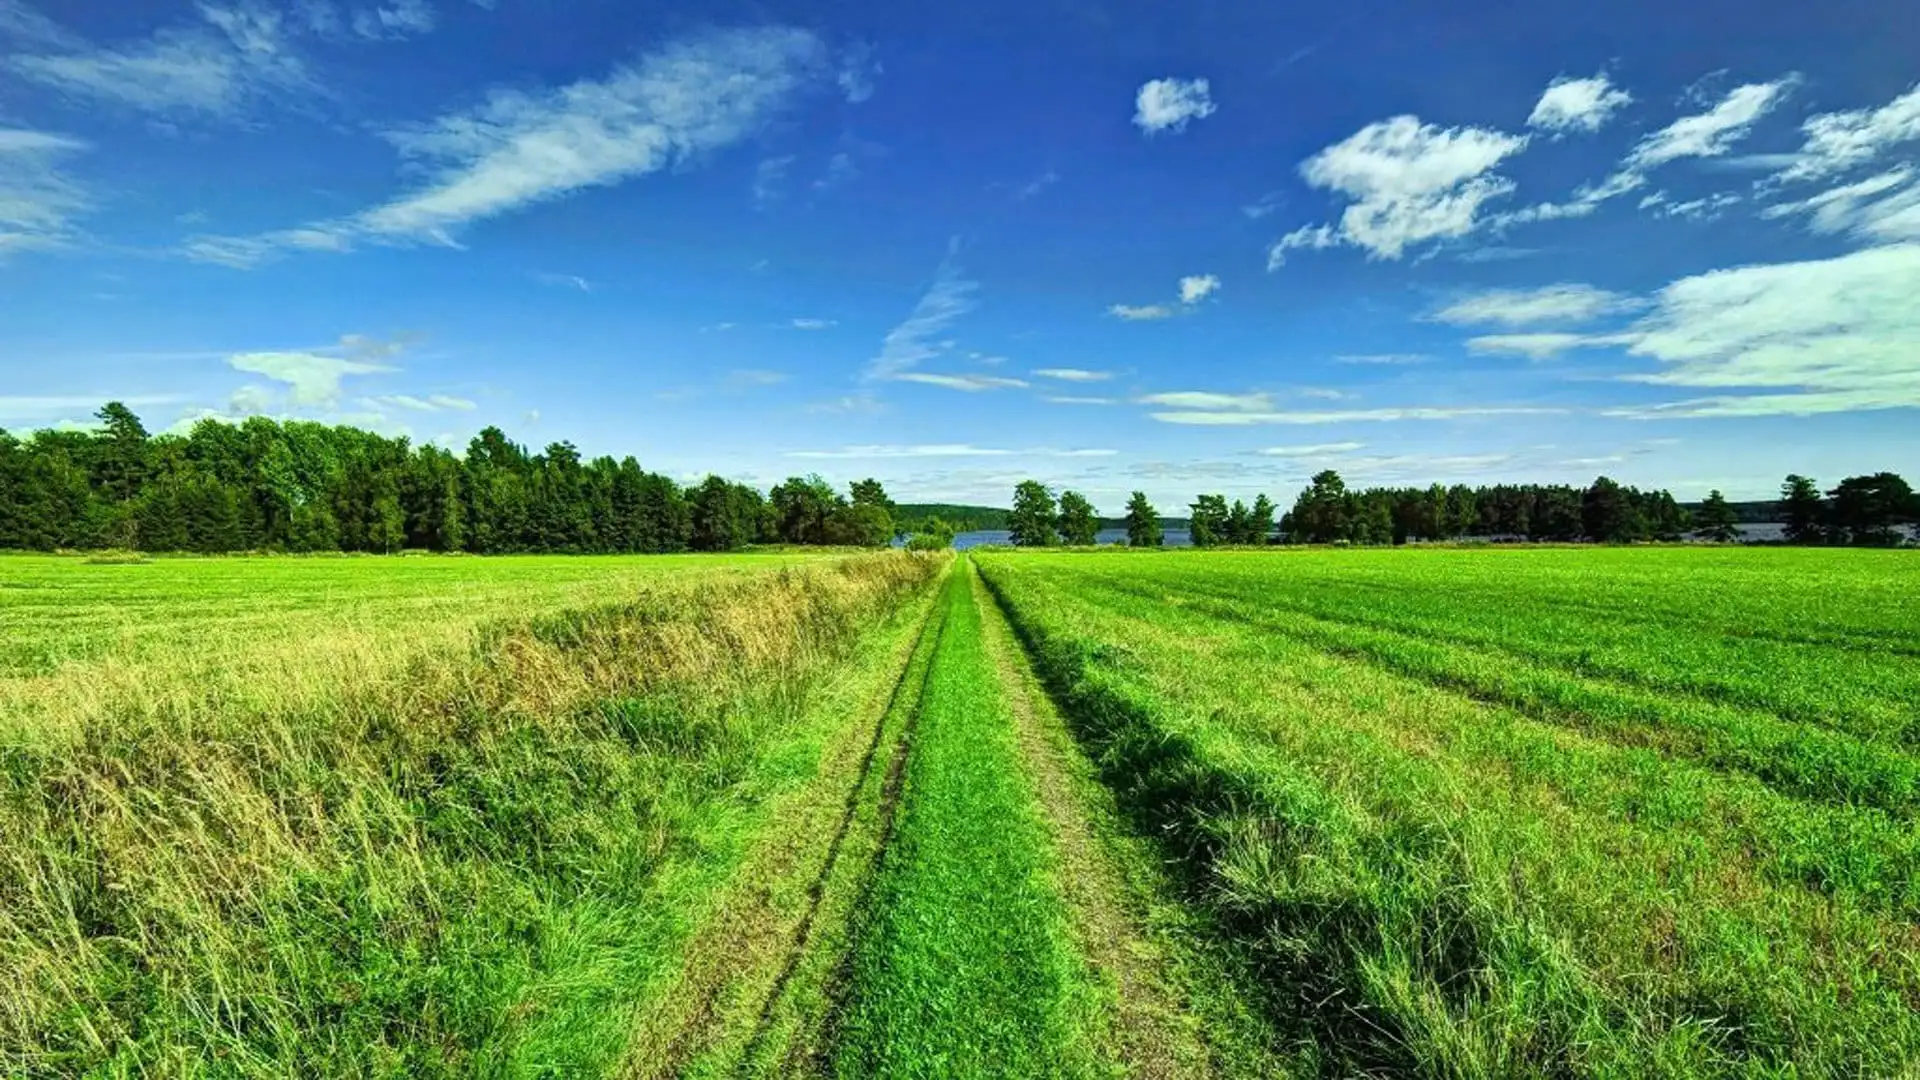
{"points": [[1193, 289], [1838, 141], [968, 383], [1207, 399], [313, 377], [1238, 418], [918, 338], [1881, 208], [37, 201], [1035, 186], [1383, 358], [1566, 303], [1077, 399], [813, 324], [431, 403], [1170, 104], [523, 148], [1142, 313], [1081, 375], [938, 450], [565, 281], [231, 58], [38, 407], [1315, 450]]}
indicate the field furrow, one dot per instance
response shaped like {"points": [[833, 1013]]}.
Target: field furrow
{"points": [[1450, 888]]}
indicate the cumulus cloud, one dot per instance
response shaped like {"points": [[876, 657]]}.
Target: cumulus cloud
{"points": [[1567, 303], [312, 379], [1198, 287], [1169, 104], [1583, 105], [521, 148], [1081, 375], [37, 201], [232, 57], [1140, 313], [1406, 183], [969, 383]]}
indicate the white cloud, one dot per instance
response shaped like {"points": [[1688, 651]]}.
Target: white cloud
{"points": [[1712, 133], [1838, 141], [1578, 104], [239, 56], [1545, 345], [1142, 313], [1035, 186], [1316, 450], [940, 450], [1383, 358], [769, 180], [521, 148], [431, 403], [568, 281], [1210, 418], [1168, 104], [814, 324], [841, 169], [918, 339], [1081, 375], [1207, 399], [30, 406], [1879, 208], [1264, 206], [252, 400], [1528, 307], [969, 383], [1406, 182], [314, 379], [1077, 399], [1841, 334], [1705, 208], [402, 18], [37, 201], [1198, 287]]}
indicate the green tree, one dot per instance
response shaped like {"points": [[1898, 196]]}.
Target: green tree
{"points": [[1868, 511], [933, 534], [1079, 524], [1031, 521], [1143, 522], [869, 492], [1321, 515], [1802, 511], [802, 508], [1608, 513], [1717, 521], [1209, 521]]}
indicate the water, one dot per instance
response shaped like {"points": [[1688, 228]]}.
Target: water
{"points": [[982, 537]]}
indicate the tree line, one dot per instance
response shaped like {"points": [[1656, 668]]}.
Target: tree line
{"points": [[267, 485], [1862, 511]]}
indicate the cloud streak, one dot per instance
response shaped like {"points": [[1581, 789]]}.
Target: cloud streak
{"points": [[523, 148]]}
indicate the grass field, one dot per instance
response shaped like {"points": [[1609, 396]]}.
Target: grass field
{"points": [[1447, 813]]}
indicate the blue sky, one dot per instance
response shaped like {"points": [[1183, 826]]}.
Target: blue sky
{"points": [[1185, 248]]}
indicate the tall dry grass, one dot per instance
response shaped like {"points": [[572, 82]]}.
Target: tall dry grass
{"points": [[358, 868]]}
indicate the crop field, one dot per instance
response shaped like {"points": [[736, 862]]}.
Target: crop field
{"points": [[1442, 813]]}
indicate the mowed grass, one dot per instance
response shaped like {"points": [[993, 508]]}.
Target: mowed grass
{"points": [[968, 967], [476, 859], [1577, 812]]}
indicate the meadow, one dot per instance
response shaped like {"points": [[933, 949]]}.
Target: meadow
{"points": [[1442, 812]]}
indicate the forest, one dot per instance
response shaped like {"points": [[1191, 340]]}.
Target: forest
{"points": [[301, 486]]}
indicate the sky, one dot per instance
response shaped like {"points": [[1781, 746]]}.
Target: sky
{"points": [[1183, 248]]}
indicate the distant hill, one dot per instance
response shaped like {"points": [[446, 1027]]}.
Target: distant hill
{"points": [[908, 516]]}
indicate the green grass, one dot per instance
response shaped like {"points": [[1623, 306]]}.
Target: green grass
{"points": [[1462, 849], [968, 967], [476, 865]]}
